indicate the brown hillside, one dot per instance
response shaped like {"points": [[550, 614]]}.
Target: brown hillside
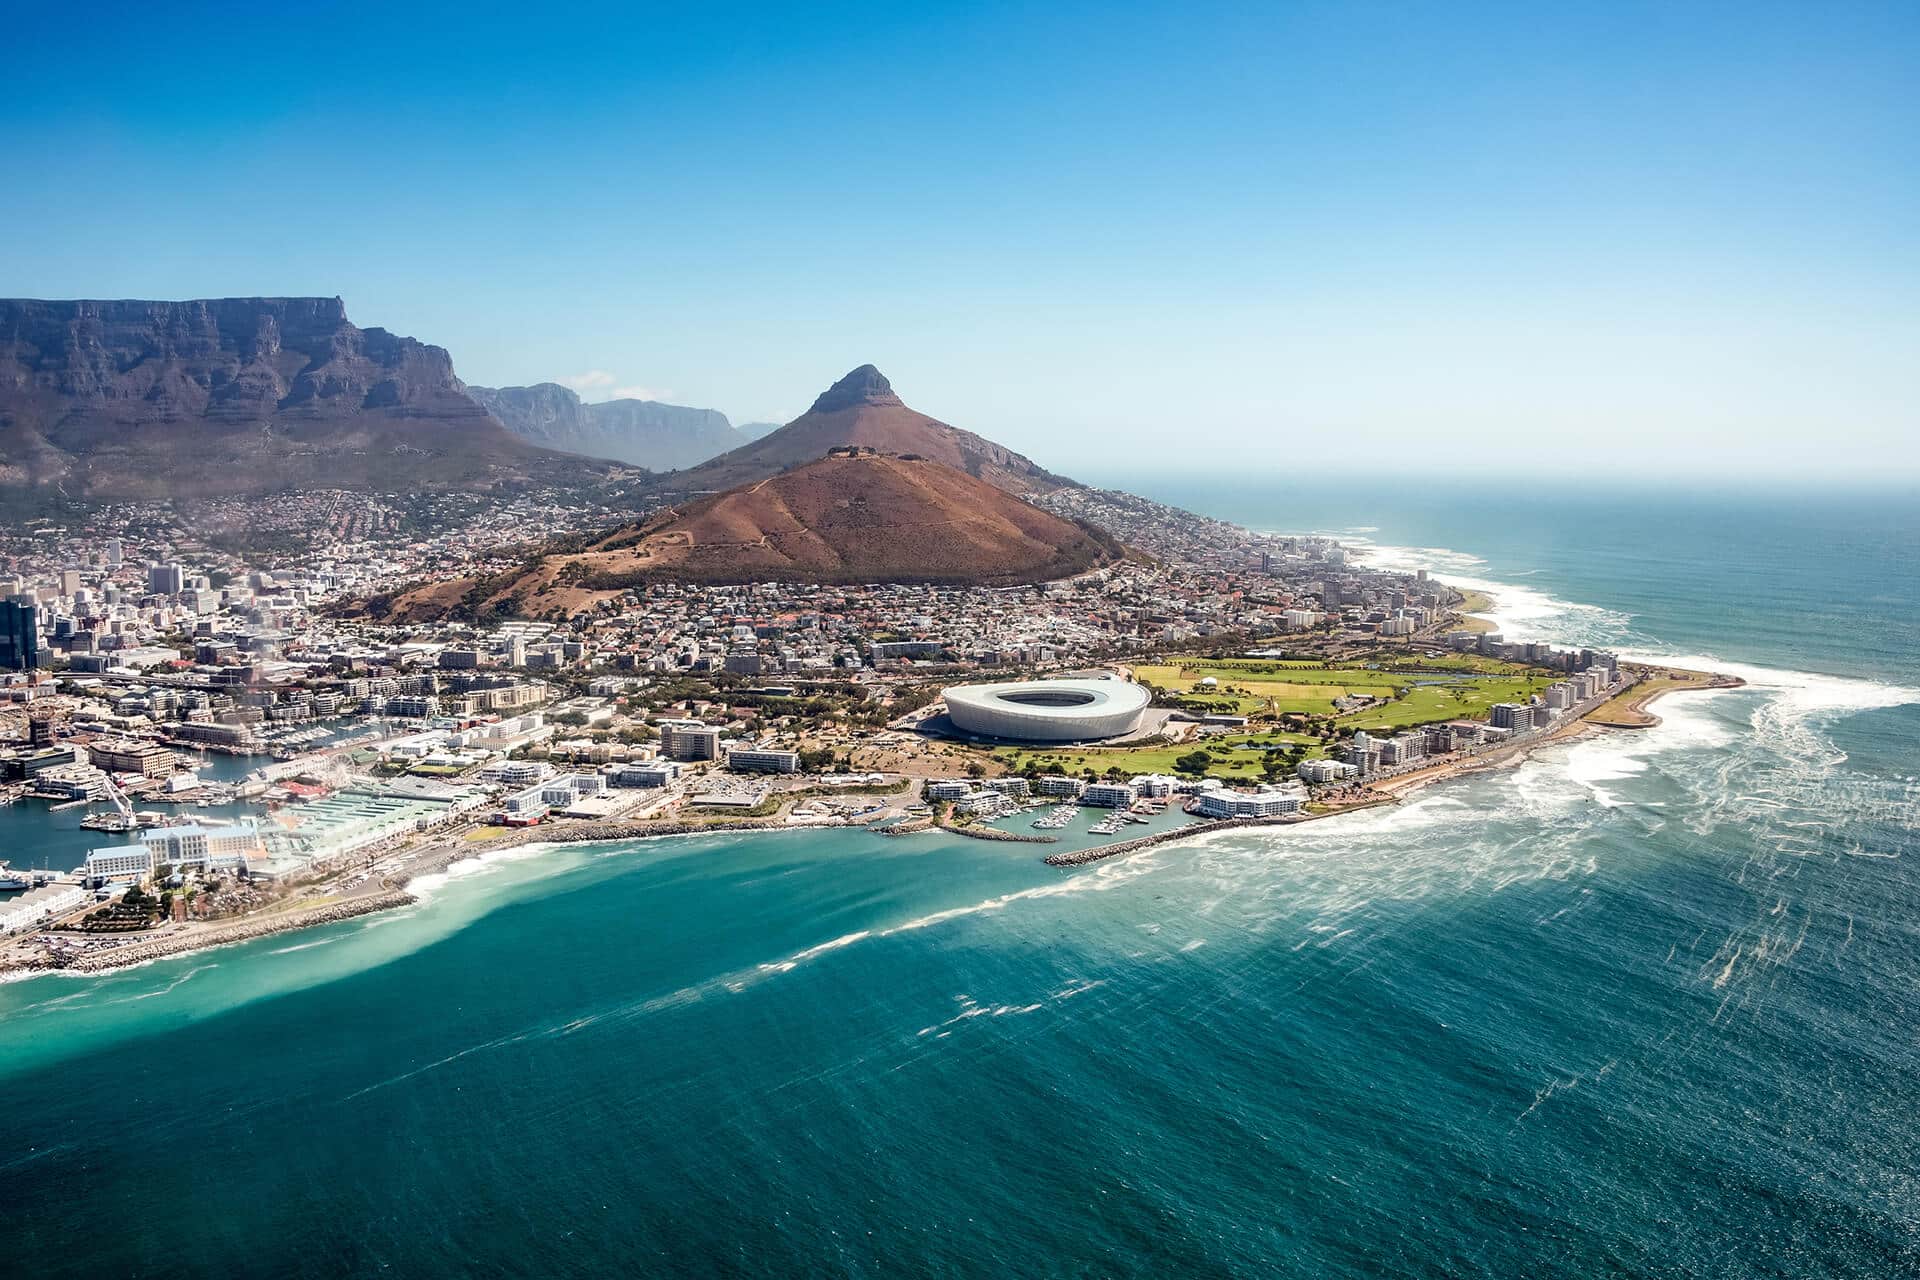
{"points": [[837, 519], [862, 410]]}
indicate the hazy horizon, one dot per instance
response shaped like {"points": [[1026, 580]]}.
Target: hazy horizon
{"points": [[1358, 239]]}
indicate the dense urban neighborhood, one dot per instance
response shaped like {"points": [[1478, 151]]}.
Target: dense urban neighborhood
{"points": [[249, 746]]}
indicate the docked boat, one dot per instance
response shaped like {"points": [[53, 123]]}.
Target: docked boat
{"points": [[1055, 818]]}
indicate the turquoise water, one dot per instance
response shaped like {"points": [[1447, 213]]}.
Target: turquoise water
{"points": [[1643, 1006]]}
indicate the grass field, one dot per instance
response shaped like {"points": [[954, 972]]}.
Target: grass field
{"points": [[1476, 602], [1229, 762], [1455, 700], [1256, 686], [1458, 662], [1450, 687], [1247, 687], [1628, 710]]}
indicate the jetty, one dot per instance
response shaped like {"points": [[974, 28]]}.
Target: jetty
{"points": [[994, 833], [1080, 857]]}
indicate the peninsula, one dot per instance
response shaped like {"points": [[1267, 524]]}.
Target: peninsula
{"points": [[236, 716]]}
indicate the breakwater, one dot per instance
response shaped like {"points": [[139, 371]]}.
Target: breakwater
{"points": [[1005, 837], [1080, 857], [199, 939]]}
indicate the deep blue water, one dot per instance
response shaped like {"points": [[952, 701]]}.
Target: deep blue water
{"points": [[1643, 1006]]}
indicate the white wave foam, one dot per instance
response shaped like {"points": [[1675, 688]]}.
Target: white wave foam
{"points": [[1802, 692], [303, 946], [58, 1002], [161, 991], [1518, 612], [1786, 713], [799, 958], [1524, 613], [479, 862], [1104, 876]]}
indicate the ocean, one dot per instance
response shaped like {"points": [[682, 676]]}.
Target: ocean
{"points": [[1645, 1005]]}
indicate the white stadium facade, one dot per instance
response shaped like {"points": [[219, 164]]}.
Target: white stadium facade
{"points": [[1047, 710]]}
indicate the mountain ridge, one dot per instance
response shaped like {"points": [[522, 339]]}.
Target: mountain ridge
{"points": [[646, 433], [136, 399]]}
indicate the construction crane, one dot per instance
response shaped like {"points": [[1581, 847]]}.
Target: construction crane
{"points": [[120, 801]]}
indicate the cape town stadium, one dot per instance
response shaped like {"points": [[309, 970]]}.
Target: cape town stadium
{"points": [[1047, 710]]}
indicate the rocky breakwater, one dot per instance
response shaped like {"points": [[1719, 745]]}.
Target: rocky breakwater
{"points": [[994, 833], [200, 937], [1079, 857]]}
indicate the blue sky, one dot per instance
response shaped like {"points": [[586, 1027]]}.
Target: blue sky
{"points": [[1473, 237]]}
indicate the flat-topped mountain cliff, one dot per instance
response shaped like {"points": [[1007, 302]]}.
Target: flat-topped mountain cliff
{"points": [[862, 411], [646, 433], [137, 399]]}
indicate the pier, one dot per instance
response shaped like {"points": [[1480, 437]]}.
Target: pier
{"points": [[1080, 857]]}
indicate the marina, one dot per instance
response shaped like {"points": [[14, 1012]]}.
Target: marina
{"points": [[1056, 818]]}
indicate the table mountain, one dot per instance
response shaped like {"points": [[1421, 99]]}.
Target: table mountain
{"points": [[647, 433], [137, 400], [861, 410]]}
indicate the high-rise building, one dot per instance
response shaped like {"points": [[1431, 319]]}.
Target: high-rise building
{"points": [[689, 740], [1511, 715], [166, 579], [19, 636]]}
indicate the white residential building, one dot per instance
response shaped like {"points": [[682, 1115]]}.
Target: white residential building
{"points": [[1267, 802], [1108, 795], [1321, 771]]}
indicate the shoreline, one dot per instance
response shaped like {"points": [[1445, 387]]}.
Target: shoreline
{"points": [[1632, 713], [135, 954], [437, 857], [391, 892], [1578, 727], [1390, 790]]}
